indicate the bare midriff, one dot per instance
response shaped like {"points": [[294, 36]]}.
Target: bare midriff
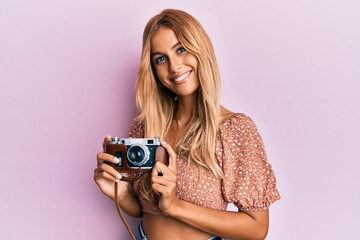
{"points": [[161, 227]]}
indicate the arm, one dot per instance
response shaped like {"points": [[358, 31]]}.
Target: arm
{"points": [[129, 203], [233, 225]]}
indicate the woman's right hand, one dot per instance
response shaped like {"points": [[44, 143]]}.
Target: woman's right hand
{"points": [[105, 175]]}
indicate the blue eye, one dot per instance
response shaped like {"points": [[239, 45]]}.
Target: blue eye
{"points": [[160, 59], [181, 50]]}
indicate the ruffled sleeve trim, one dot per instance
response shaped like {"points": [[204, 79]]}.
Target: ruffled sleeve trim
{"points": [[249, 181]]}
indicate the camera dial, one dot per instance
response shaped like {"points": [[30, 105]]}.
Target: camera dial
{"points": [[138, 154]]}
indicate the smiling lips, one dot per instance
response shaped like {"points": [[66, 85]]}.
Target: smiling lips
{"points": [[182, 78]]}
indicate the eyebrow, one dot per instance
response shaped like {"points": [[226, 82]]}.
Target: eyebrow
{"points": [[159, 53]]}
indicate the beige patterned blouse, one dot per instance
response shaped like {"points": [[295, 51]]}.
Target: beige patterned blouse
{"points": [[249, 181]]}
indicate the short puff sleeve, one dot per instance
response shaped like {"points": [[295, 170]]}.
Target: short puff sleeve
{"points": [[249, 182]]}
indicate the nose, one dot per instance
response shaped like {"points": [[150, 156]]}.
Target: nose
{"points": [[175, 64]]}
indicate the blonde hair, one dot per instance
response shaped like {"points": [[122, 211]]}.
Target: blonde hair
{"points": [[157, 104]]}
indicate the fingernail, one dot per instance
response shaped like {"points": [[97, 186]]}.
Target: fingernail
{"points": [[164, 142], [117, 180], [118, 176], [116, 160]]}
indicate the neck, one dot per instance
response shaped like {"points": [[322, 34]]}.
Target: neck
{"points": [[185, 109]]}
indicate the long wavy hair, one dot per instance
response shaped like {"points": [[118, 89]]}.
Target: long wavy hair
{"points": [[157, 104]]}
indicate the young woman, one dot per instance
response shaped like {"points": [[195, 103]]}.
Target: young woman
{"points": [[216, 156]]}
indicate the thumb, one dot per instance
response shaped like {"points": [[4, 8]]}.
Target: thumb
{"points": [[172, 156]]}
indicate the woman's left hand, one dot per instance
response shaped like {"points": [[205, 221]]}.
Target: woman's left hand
{"points": [[163, 180]]}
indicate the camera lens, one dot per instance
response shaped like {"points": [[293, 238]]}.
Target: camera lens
{"points": [[138, 155]]}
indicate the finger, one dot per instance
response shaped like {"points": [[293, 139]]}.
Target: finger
{"points": [[164, 191], [105, 142], [105, 157], [172, 156], [110, 170], [157, 188], [167, 175], [161, 169], [164, 181], [124, 174], [157, 169], [99, 174]]}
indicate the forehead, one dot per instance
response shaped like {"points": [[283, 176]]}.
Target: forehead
{"points": [[163, 39]]}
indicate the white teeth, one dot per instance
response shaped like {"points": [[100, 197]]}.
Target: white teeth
{"points": [[182, 77]]}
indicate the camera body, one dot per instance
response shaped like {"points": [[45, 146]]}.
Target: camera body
{"points": [[136, 154]]}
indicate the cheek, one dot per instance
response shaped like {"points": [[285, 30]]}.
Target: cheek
{"points": [[161, 72], [192, 60]]}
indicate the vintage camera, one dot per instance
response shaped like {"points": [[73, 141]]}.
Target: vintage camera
{"points": [[136, 154]]}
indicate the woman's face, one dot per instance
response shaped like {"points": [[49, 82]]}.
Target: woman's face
{"points": [[175, 67]]}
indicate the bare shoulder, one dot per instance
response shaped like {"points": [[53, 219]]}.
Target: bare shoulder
{"points": [[225, 114]]}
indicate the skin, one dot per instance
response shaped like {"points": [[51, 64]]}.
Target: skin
{"points": [[172, 62], [177, 70]]}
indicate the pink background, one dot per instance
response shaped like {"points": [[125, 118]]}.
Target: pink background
{"points": [[67, 71]]}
